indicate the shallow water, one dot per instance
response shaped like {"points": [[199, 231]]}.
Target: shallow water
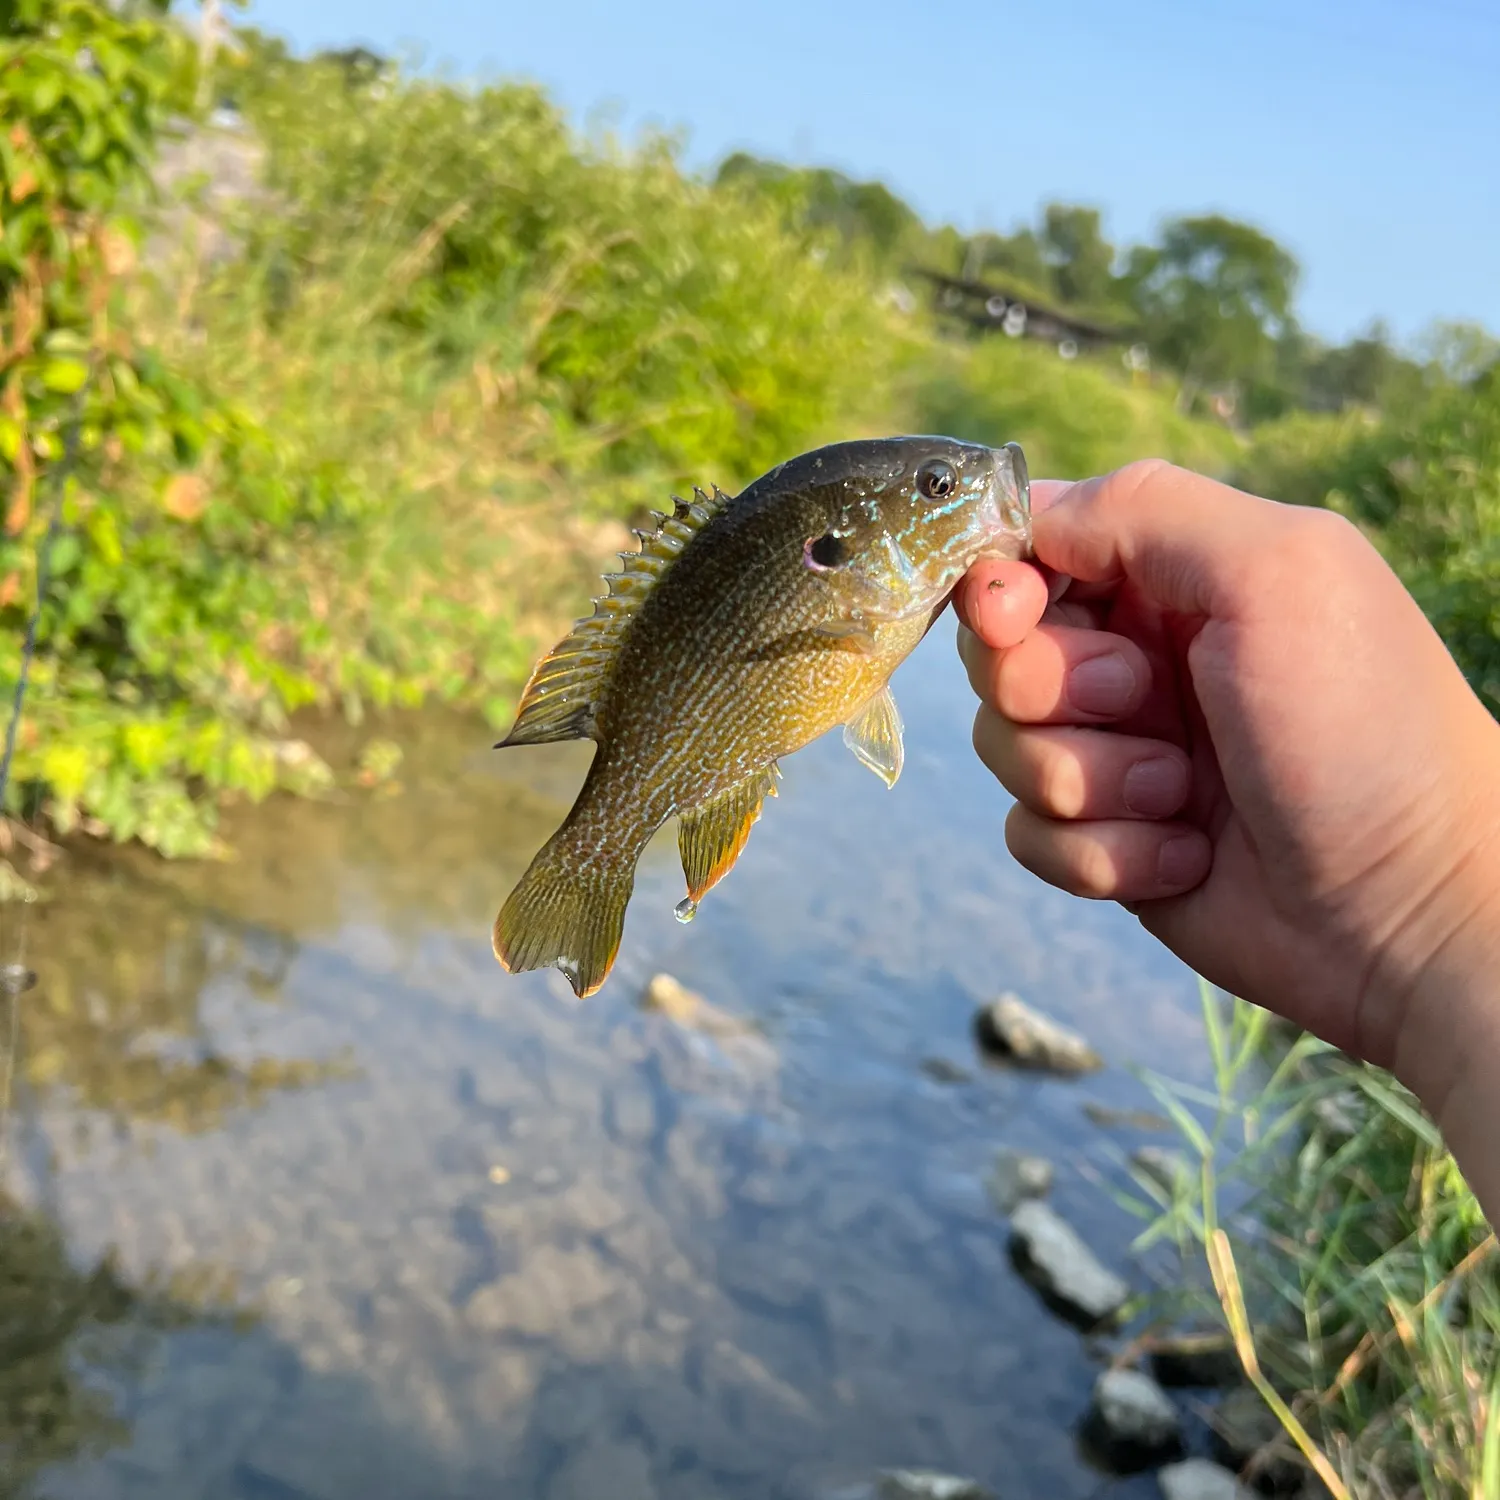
{"points": [[385, 1221]]}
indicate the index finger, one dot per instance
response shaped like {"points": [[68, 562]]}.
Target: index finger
{"points": [[1002, 601]]}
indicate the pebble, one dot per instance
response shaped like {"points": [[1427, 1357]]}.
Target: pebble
{"points": [[1198, 1479], [1015, 1176], [1133, 1415], [1011, 1027], [1057, 1261]]}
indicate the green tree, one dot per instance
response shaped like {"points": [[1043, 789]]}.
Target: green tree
{"points": [[1082, 260], [1214, 297]]}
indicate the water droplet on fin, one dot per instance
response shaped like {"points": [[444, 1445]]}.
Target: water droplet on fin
{"points": [[686, 909]]}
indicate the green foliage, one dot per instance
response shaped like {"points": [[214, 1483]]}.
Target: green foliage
{"points": [[335, 459], [1425, 485], [1214, 297], [666, 332], [1073, 418], [1363, 1260]]}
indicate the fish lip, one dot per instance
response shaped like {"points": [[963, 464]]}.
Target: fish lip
{"points": [[1008, 504], [1022, 475]]}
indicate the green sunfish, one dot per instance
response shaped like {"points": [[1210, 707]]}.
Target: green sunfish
{"points": [[743, 629]]}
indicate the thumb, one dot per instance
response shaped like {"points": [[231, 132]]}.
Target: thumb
{"points": [[1181, 539]]}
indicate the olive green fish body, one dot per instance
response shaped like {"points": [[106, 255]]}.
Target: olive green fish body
{"points": [[742, 630]]}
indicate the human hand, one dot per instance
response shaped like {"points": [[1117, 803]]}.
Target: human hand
{"points": [[1233, 719]]}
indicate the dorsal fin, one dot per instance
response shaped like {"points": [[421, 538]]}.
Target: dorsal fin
{"points": [[565, 685]]}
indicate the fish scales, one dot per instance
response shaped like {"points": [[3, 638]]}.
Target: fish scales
{"points": [[744, 628]]}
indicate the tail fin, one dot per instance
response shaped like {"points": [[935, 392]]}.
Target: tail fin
{"points": [[568, 911]]}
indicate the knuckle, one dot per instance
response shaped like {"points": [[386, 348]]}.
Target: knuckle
{"points": [[1093, 870], [1059, 780]]}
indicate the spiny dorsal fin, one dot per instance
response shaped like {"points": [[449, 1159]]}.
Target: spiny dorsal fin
{"points": [[711, 835], [565, 685], [874, 735]]}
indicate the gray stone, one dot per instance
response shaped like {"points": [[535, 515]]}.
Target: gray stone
{"points": [[1242, 1426], [1201, 1357], [1162, 1165], [1062, 1267], [1198, 1479], [1010, 1026], [1015, 1176], [927, 1484], [1132, 1411]]}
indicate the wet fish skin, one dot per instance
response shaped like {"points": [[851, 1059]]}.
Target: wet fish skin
{"points": [[744, 628]]}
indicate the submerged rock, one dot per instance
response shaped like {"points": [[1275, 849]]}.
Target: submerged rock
{"points": [[1012, 1028], [673, 999], [1162, 1165], [1055, 1260], [1198, 1479], [1199, 1357], [1132, 1419], [926, 1484], [1243, 1425], [1015, 1176]]}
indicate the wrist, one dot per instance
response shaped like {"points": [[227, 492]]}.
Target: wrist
{"points": [[1447, 1045]]}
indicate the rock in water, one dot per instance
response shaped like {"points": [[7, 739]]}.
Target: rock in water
{"points": [[1011, 1027], [1197, 1479], [1163, 1166], [1052, 1256], [1200, 1357], [1243, 1424], [1133, 1419], [688, 1008], [1015, 1176], [924, 1484]]}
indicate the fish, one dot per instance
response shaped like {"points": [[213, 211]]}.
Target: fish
{"points": [[742, 629]]}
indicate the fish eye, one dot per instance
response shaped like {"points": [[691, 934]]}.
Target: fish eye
{"points": [[824, 552], [936, 480]]}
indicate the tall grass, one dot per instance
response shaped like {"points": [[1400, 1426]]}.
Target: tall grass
{"points": [[1325, 1226]]}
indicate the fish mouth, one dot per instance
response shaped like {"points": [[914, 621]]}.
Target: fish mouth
{"points": [[1010, 504]]}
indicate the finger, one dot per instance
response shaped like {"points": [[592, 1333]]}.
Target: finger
{"points": [[1060, 675], [1083, 774], [1182, 538], [1000, 601], [1109, 860]]}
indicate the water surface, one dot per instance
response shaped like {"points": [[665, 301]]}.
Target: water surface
{"points": [[366, 1217]]}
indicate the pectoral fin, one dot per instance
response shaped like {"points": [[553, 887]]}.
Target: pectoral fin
{"points": [[874, 735], [711, 835]]}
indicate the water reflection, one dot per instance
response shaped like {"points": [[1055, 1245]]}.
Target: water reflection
{"points": [[502, 1243]]}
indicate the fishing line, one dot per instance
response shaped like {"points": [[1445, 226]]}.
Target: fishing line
{"points": [[15, 977]]}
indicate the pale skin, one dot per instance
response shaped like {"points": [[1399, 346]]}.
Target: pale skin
{"points": [[1233, 719]]}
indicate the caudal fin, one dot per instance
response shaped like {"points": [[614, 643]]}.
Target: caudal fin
{"points": [[567, 912]]}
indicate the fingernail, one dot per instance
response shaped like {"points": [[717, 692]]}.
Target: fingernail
{"points": [[1102, 684], [1154, 788], [1183, 861]]}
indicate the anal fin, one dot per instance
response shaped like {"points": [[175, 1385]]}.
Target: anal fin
{"points": [[874, 735], [711, 836]]}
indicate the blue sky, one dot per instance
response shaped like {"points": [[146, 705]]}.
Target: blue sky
{"points": [[1363, 134]]}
